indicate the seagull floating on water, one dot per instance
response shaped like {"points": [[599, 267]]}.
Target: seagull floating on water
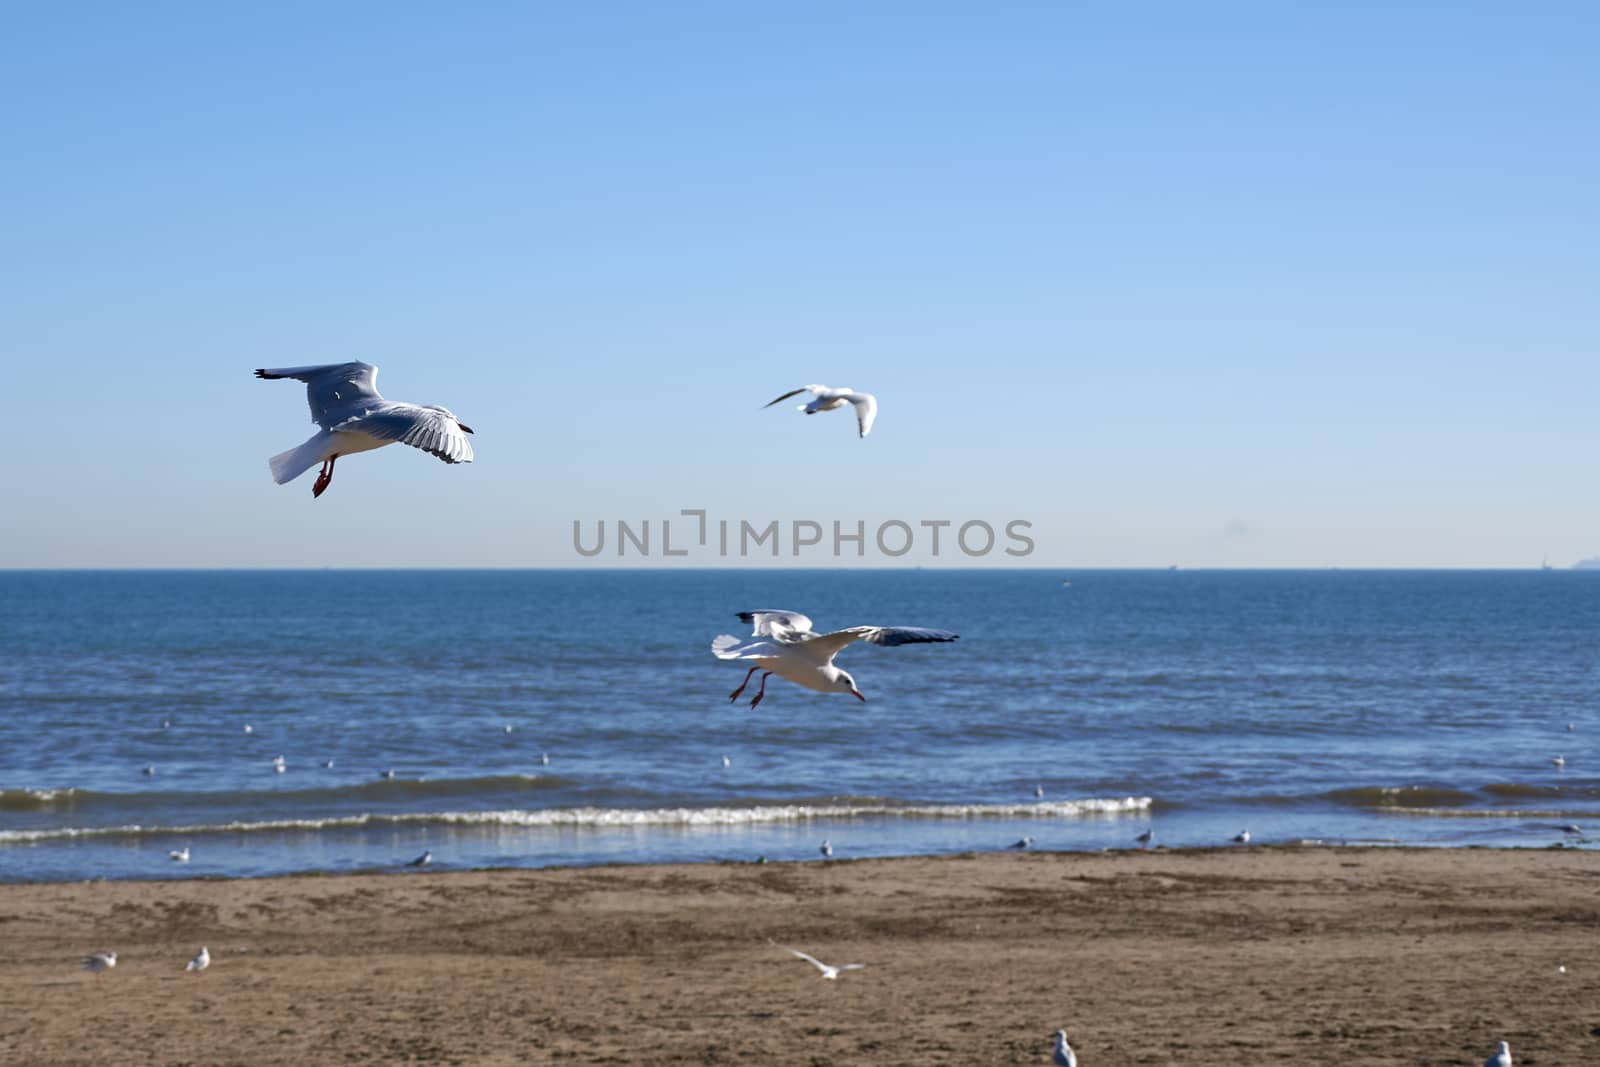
{"points": [[544, 759], [99, 962], [1038, 791], [279, 765], [1559, 762], [826, 849], [726, 762], [1242, 837], [179, 855], [783, 644], [249, 729], [422, 860], [355, 417], [201, 961], [1501, 1057], [1064, 1056], [830, 973], [827, 399], [1026, 842], [1572, 828], [386, 775], [328, 764], [150, 769]]}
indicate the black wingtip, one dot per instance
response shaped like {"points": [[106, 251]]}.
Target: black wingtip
{"points": [[261, 373]]}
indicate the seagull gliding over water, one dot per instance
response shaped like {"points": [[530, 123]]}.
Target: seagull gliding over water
{"points": [[827, 399], [355, 417], [784, 644]]}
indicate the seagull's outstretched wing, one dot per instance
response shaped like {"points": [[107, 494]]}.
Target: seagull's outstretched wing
{"points": [[818, 964], [786, 396], [726, 646], [431, 429], [888, 636], [866, 406], [852, 967], [776, 622], [331, 388]]}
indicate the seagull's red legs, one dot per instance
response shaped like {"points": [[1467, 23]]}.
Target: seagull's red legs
{"points": [[763, 690], [324, 476], [735, 694]]}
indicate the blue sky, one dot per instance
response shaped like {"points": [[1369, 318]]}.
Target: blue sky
{"points": [[1217, 285]]}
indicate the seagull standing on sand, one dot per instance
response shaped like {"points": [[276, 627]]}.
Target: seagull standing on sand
{"points": [[1501, 1057], [827, 399], [783, 644], [100, 962], [179, 855], [830, 973], [201, 961], [354, 417], [1242, 837], [827, 849], [1145, 838], [1064, 1056], [1026, 842], [422, 860]]}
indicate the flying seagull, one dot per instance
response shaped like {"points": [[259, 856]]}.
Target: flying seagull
{"points": [[100, 962], [1064, 1056], [355, 417], [201, 961], [1501, 1057], [784, 644], [830, 973], [826, 399]]}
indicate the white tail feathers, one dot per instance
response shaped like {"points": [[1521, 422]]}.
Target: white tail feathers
{"points": [[287, 466]]}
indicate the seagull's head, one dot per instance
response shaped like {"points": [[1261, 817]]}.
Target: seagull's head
{"points": [[848, 684]]}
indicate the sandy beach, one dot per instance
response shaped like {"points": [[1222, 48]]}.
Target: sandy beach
{"points": [[1265, 956]]}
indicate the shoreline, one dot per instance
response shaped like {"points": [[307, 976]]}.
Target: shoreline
{"points": [[1257, 955]]}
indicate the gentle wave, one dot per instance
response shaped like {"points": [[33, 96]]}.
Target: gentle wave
{"points": [[71, 799], [602, 818]]}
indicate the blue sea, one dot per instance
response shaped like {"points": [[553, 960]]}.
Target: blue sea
{"points": [[534, 718]]}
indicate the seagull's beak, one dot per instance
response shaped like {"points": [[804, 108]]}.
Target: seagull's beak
{"points": [[858, 695], [464, 427]]}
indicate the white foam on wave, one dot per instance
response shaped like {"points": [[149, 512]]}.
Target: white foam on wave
{"points": [[603, 818]]}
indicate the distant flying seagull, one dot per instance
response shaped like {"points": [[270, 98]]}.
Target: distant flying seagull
{"points": [[99, 962], [422, 860], [826, 399], [1064, 1056], [355, 417], [830, 973], [1145, 838], [784, 644], [179, 855], [1026, 842], [827, 849], [201, 961], [1501, 1057], [1242, 837]]}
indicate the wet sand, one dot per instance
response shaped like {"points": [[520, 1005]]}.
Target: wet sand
{"points": [[1260, 956]]}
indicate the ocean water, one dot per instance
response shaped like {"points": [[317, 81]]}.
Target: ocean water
{"points": [[1406, 707]]}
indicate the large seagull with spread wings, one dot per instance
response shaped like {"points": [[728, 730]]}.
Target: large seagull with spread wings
{"points": [[355, 417], [784, 644]]}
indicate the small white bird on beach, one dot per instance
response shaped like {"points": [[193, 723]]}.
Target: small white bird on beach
{"points": [[827, 849], [201, 961], [830, 973], [1063, 1054], [422, 860], [1501, 1057], [1242, 837], [100, 962], [827, 399], [179, 855], [1146, 838], [784, 644], [354, 417]]}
